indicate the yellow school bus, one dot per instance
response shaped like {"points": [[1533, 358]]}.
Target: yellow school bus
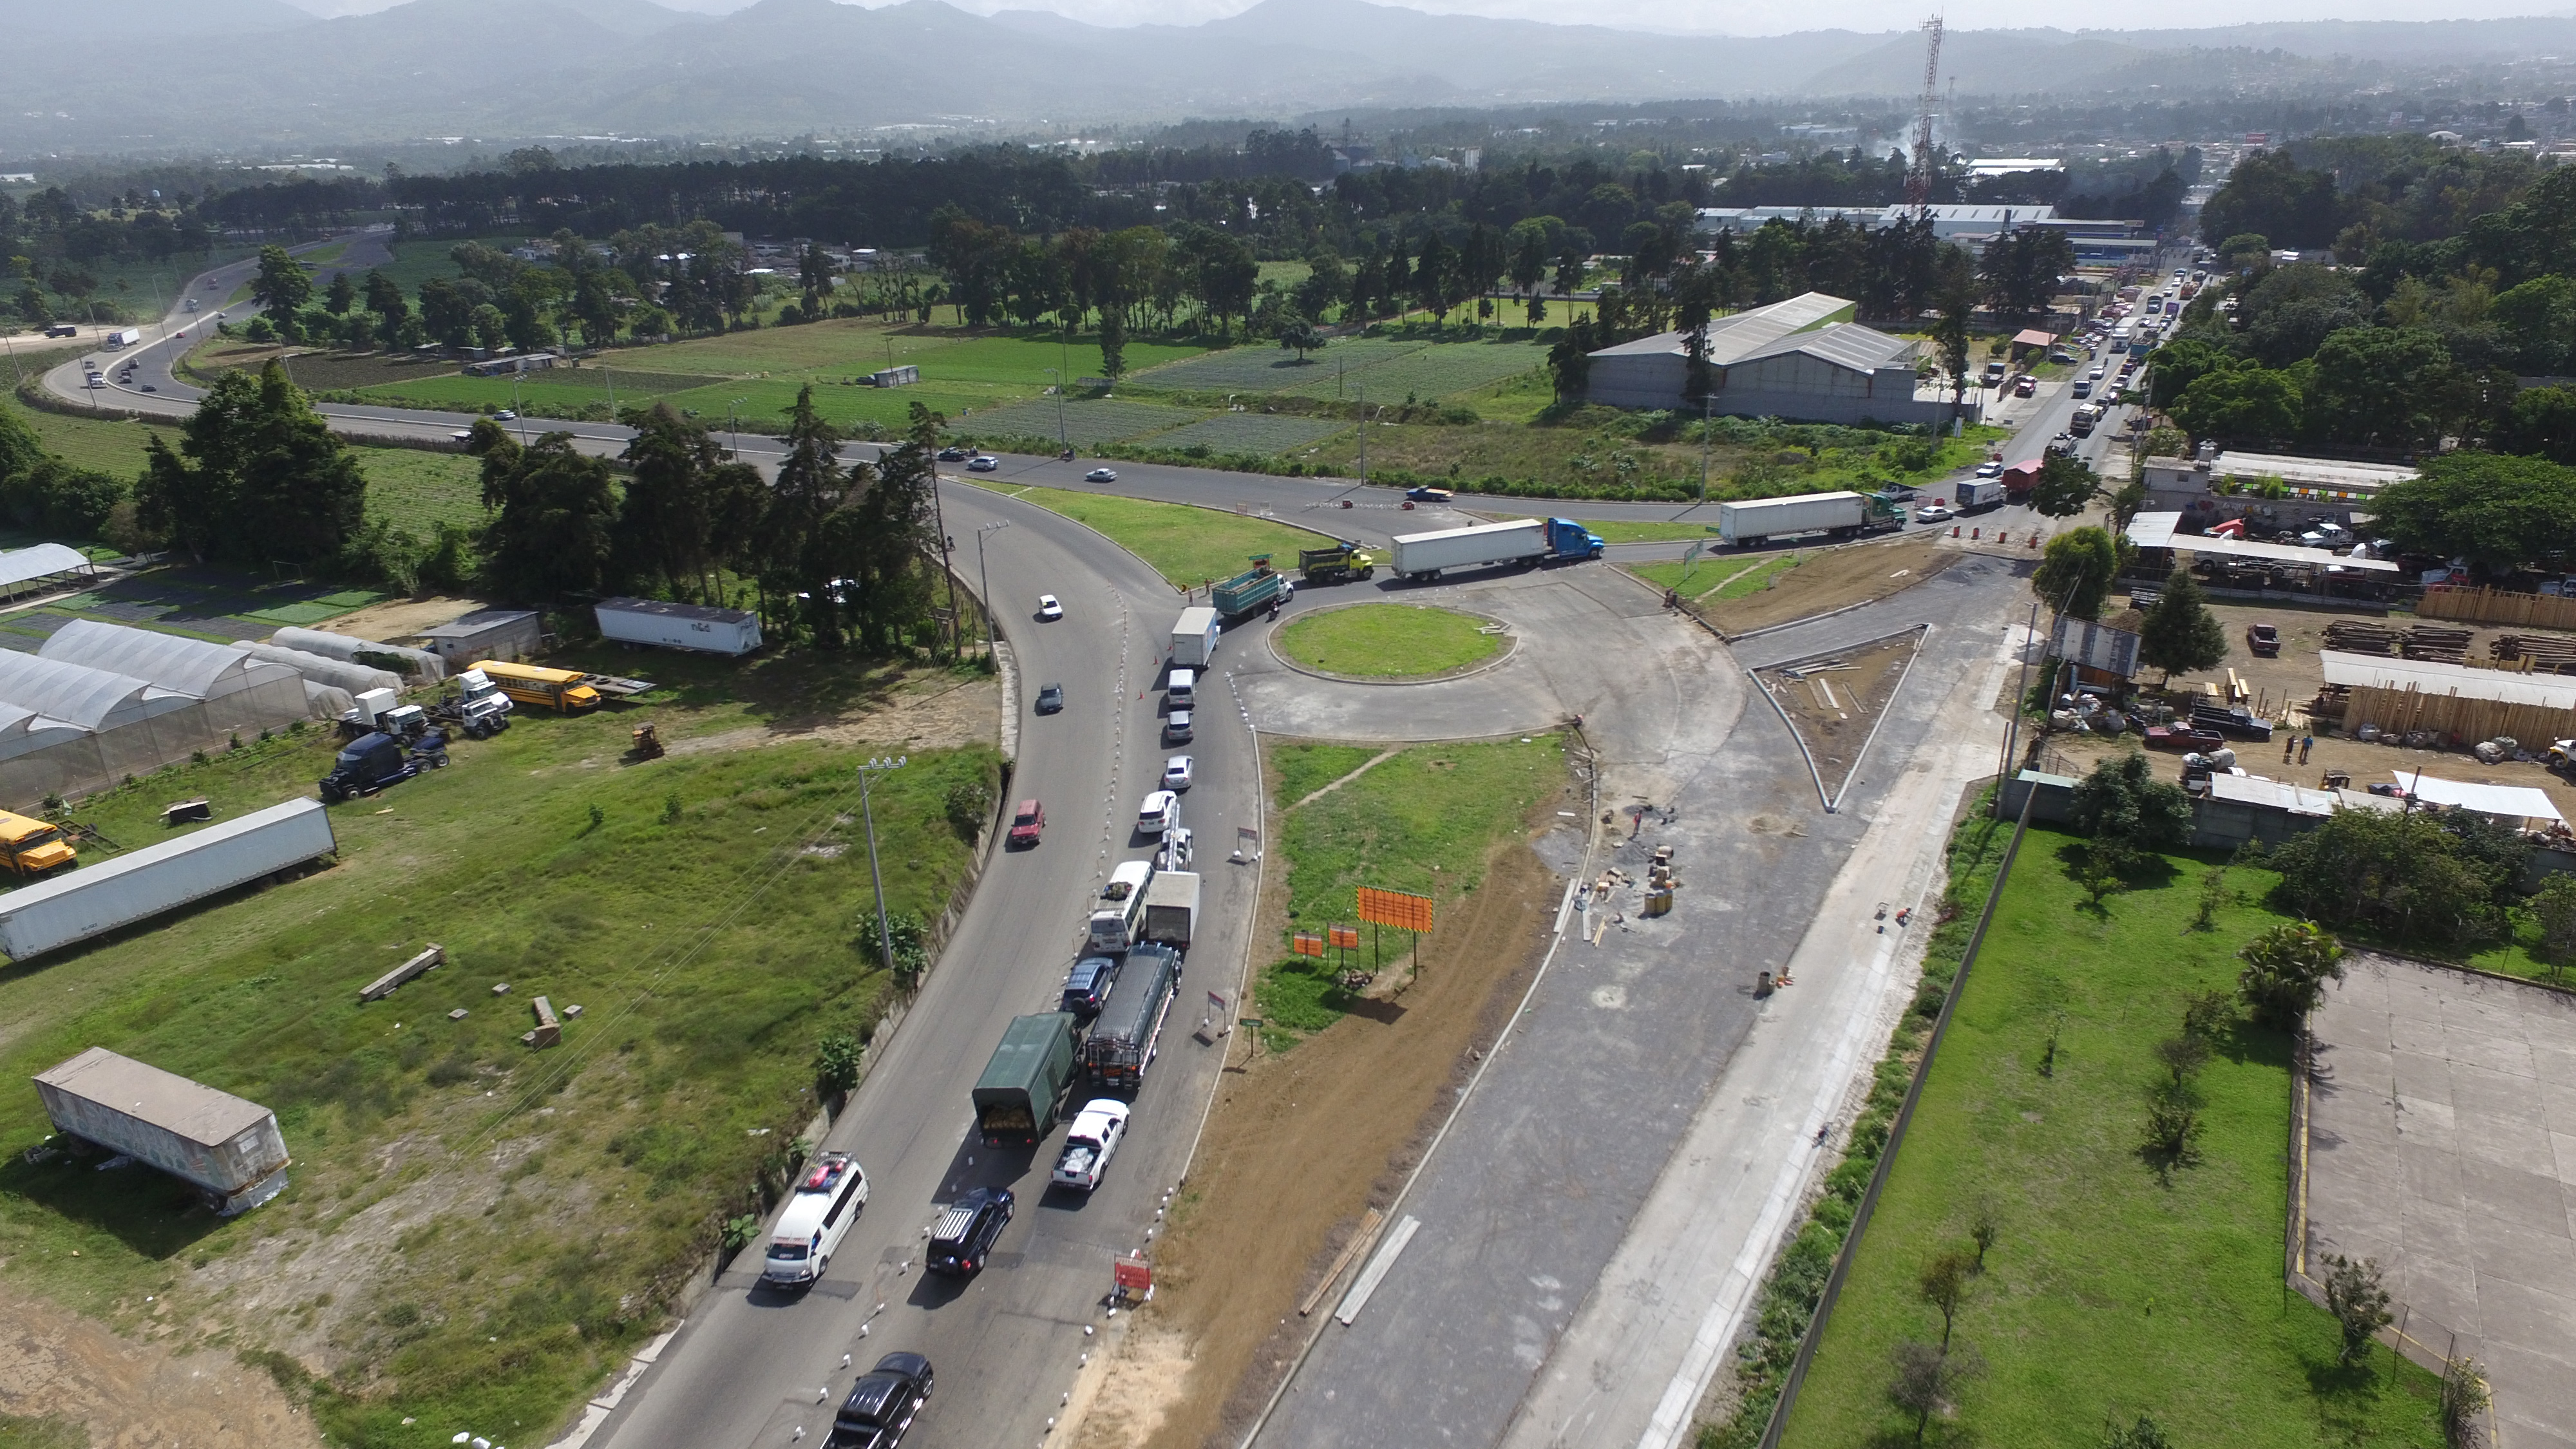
{"points": [[556, 689], [31, 847]]}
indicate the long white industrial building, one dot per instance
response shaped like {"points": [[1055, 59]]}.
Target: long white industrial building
{"points": [[1802, 359]]}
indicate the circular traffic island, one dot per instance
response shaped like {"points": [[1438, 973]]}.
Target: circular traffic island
{"points": [[1391, 643]]}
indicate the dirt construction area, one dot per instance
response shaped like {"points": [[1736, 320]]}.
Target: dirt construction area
{"points": [[1301, 1145], [1833, 578], [1834, 701], [57, 1365], [2281, 687]]}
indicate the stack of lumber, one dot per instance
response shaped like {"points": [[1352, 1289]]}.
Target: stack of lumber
{"points": [[2437, 642], [2537, 653], [2360, 636]]}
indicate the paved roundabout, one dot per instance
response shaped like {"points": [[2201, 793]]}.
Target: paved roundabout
{"points": [[1393, 643]]}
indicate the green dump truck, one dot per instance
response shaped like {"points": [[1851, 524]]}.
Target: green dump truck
{"points": [[1016, 1098], [1255, 588], [1344, 560]]}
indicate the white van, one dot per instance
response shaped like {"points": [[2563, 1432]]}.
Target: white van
{"points": [[827, 1200], [1180, 690]]}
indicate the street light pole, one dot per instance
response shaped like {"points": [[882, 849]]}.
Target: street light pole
{"points": [[885, 935], [733, 424], [1707, 404], [984, 579]]}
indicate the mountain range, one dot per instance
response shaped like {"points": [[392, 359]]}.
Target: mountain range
{"points": [[265, 73]]}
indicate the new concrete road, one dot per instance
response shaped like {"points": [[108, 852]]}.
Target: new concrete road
{"points": [[753, 1366]]}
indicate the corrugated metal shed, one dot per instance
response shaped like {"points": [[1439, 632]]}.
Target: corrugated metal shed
{"points": [[222, 1143], [2156, 530], [2426, 676], [193, 667], [506, 634], [2509, 801]]}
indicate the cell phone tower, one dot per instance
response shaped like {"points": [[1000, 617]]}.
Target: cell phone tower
{"points": [[1918, 177]]}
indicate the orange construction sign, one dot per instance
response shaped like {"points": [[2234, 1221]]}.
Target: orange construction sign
{"points": [[1399, 909], [1345, 936], [1306, 943]]}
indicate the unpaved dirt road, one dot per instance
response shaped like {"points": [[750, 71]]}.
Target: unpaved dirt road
{"points": [[131, 1395]]}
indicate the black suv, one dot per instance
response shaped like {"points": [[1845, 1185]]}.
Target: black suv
{"points": [[1087, 985], [962, 1239], [882, 1404]]}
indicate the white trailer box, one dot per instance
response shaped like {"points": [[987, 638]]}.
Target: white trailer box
{"points": [[139, 885], [226, 1147], [1458, 548], [678, 626], [1171, 908], [1761, 518], [119, 341], [1194, 638]]}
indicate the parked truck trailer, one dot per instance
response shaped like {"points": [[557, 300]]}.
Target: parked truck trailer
{"points": [[694, 627], [1023, 1085], [1423, 556], [228, 1148], [144, 883], [1840, 515]]}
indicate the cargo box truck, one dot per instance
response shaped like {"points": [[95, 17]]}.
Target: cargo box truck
{"points": [[1023, 1085], [144, 883], [1171, 909], [1838, 515], [1423, 556], [1194, 638], [226, 1147]]}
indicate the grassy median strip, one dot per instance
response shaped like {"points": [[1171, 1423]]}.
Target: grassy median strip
{"points": [[1388, 641], [1187, 546], [2118, 1282], [475, 1229], [1698, 578], [1425, 821]]}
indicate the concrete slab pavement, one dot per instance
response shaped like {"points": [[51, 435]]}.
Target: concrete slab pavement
{"points": [[1638, 1357], [2442, 1142]]}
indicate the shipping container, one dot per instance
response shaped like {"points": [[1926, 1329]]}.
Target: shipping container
{"points": [[1123, 1036], [1840, 515], [226, 1147], [142, 884], [1023, 1085], [732, 632]]}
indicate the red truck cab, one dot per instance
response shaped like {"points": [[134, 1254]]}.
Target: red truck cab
{"points": [[1027, 823]]}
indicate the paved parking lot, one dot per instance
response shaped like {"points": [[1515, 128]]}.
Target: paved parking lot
{"points": [[2442, 1142]]}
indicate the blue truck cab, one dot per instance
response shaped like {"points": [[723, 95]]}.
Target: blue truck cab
{"points": [[1569, 539]]}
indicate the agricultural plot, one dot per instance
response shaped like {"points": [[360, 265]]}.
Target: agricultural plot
{"points": [[417, 491], [1250, 433], [641, 384], [417, 260], [1438, 370], [1085, 423], [1270, 369]]}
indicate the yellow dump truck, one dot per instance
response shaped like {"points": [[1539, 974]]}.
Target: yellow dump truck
{"points": [[563, 690], [32, 847]]}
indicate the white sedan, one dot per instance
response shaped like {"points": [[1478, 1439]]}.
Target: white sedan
{"points": [[1991, 468], [1089, 1143], [1101, 475], [1933, 513], [1049, 609], [1176, 772]]}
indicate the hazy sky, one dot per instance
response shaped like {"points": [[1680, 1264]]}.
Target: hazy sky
{"points": [[1734, 17]]}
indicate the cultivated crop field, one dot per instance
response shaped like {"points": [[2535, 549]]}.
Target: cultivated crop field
{"points": [[1103, 420], [1436, 370], [1250, 433], [451, 1186]]}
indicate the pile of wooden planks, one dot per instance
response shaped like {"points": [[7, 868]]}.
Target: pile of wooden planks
{"points": [[2536, 653], [2360, 636], [2437, 642]]}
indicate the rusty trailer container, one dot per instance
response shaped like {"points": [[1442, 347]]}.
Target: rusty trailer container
{"points": [[225, 1146]]}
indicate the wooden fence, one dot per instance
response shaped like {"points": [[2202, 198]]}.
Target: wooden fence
{"points": [[2497, 606], [2397, 711]]}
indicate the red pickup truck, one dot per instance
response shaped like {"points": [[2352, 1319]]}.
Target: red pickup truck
{"points": [[1027, 823]]}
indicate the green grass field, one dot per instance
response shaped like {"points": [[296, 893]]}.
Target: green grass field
{"points": [[1424, 821], [1187, 546], [417, 490], [418, 259], [1388, 641], [1384, 368], [110, 445], [1700, 577], [703, 910], [2114, 1289], [1087, 423]]}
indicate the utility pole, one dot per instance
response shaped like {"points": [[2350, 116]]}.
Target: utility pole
{"points": [[733, 424], [1059, 406], [985, 578], [1363, 396], [885, 935], [1707, 405]]}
